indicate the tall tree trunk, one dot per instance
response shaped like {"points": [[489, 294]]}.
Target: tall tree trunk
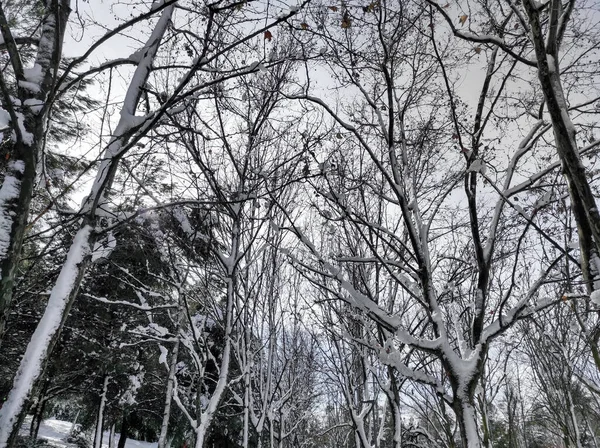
{"points": [[37, 419], [78, 259], [207, 415], [100, 418], [111, 436], [162, 438], [19, 178], [393, 395], [583, 202], [124, 430], [38, 411], [467, 423]]}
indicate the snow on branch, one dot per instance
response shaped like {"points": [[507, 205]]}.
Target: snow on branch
{"points": [[129, 304]]}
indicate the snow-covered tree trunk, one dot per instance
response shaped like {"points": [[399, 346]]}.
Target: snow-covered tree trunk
{"points": [[162, 438], [207, 415], [29, 116], [79, 255], [246, 430], [467, 421], [583, 202], [393, 397], [100, 417]]}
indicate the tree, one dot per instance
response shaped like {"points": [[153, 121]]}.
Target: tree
{"points": [[448, 283], [27, 94], [538, 36]]}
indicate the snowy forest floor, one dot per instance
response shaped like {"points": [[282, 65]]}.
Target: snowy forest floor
{"points": [[55, 432]]}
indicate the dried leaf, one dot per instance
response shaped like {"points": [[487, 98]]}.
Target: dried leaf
{"points": [[371, 7], [304, 25], [463, 19], [346, 22], [477, 50], [7, 156], [268, 35], [333, 8], [447, 5]]}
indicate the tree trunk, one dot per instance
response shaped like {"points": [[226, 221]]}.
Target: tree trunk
{"points": [[36, 421], [465, 417], [78, 259], [394, 402], [74, 424], [111, 436], [583, 202], [246, 407], [19, 178], [38, 411], [100, 419], [124, 431], [162, 439]]}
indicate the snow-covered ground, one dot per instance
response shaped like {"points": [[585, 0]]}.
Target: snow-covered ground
{"points": [[57, 431]]}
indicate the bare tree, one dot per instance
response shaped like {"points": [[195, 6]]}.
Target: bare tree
{"points": [[128, 132], [450, 259]]}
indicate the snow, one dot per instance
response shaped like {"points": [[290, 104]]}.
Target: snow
{"points": [[103, 249], [163, 355], [477, 166], [8, 192], [544, 200], [56, 432], [135, 382], [34, 74], [4, 118], [595, 297], [138, 55], [34, 104], [31, 86], [27, 136]]}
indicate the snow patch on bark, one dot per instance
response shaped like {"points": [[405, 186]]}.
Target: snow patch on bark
{"points": [[4, 118], [11, 187], [25, 135]]}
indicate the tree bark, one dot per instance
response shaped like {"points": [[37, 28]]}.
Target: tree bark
{"points": [[100, 418], [38, 411], [467, 423], [19, 178], [124, 431], [583, 202], [37, 419], [162, 439], [111, 436], [78, 259]]}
